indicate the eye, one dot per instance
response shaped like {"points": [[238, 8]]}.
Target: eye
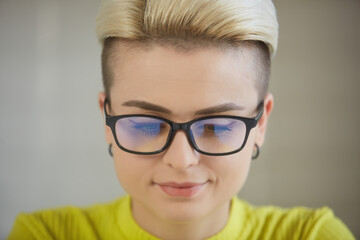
{"points": [[217, 129], [214, 128]]}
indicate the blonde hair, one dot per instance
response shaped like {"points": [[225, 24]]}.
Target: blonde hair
{"points": [[232, 22]]}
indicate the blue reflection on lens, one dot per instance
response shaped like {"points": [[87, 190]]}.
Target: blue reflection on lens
{"points": [[212, 129], [147, 128]]}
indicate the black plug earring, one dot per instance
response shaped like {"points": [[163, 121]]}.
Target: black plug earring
{"points": [[110, 150], [257, 153]]}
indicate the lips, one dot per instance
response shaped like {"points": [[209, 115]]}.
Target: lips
{"points": [[186, 189]]}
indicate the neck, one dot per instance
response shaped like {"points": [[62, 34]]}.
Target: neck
{"points": [[201, 228]]}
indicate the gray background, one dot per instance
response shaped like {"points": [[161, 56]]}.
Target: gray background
{"points": [[52, 147]]}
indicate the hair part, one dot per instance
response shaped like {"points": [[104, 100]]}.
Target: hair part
{"points": [[189, 24]]}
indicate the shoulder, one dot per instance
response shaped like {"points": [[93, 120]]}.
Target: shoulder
{"points": [[270, 222], [66, 222]]}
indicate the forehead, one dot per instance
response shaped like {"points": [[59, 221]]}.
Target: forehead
{"points": [[183, 80]]}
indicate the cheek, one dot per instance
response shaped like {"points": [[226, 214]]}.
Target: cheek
{"points": [[124, 172], [231, 171], [235, 173], [131, 171]]}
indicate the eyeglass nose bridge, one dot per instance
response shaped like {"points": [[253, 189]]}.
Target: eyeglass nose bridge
{"points": [[184, 127], [178, 126]]}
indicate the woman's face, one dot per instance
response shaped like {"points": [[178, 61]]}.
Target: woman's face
{"points": [[184, 83]]}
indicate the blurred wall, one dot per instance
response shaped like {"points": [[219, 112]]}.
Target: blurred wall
{"points": [[52, 148]]}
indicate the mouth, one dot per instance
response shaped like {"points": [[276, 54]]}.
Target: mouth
{"points": [[186, 189]]}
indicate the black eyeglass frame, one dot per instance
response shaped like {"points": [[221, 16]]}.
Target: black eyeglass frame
{"points": [[250, 123]]}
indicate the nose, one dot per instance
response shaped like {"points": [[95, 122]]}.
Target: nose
{"points": [[180, 155]]}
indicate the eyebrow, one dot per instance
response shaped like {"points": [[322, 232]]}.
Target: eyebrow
{"points": [[157, 108], [147, 106], [220, 108]]}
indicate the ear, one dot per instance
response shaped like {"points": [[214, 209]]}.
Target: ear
{"points": [[268, 106], [108, 134]]}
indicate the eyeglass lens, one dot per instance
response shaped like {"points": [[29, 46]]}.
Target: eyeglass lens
{"points": [[213, 135], [142, 134], [218, 135]]}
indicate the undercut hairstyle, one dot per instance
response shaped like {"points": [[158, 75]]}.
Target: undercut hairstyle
{"points": [[187, 25]]}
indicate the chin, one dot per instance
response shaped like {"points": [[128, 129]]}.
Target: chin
{"points": [[183, 216], [183, 211]]}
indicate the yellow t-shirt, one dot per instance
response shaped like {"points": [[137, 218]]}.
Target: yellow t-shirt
{"points": [[114, 221]]}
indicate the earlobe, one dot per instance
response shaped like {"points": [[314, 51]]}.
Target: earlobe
{"points": [[262, 125]]}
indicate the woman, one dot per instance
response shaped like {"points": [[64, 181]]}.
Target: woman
{"points": [[186, 107]]}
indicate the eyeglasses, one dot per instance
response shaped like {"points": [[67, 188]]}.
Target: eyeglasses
{"points": [[211, 135]]}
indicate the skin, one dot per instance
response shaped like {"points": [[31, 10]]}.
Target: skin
{"points": [[184, 83]]}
